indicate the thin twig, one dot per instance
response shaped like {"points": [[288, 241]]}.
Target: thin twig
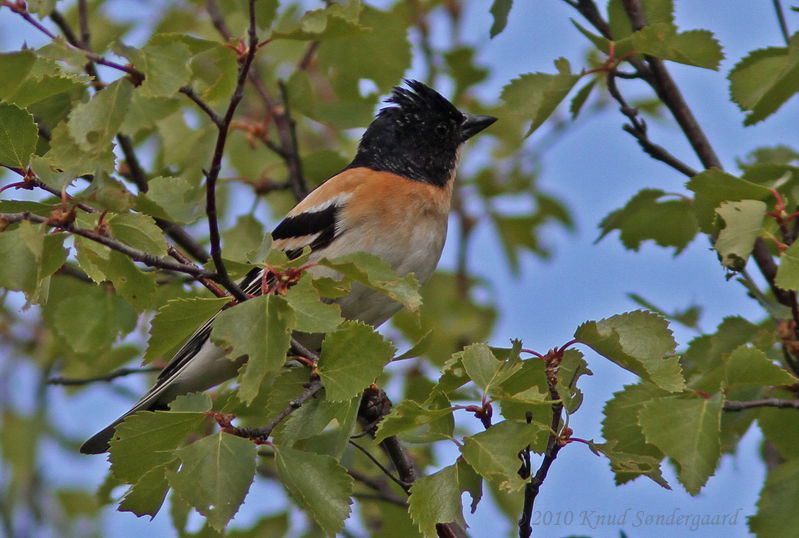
{"points": [[781, 19], [733, 406], [401, 483], [146, 258], [216, 162], [121, 372], [263, 433]]}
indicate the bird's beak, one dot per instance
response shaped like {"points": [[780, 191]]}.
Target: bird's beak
{"points": [[473, 124]]}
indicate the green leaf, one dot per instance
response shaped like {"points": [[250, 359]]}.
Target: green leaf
{"points": [[536, 95], [93, 124], [712, 187], [781, 489], [788, 271], [313, 316], [638, 341], [177, 320], [381, 54], [101, 263], [500, 10], [463, 68], [695, 47], [408, 415], [30, 254], [352, 358], [469, 481], [436, 498], [319, 484], [215, 476], [261, 329], [171, 198], [15, 67], [518, 233], [742, 223], [765, 79], [484, 368], [147, 440], [144, 112], [139, 231], [748, 366], [164, 66], [688, 432], [376, 274], [18, 136], [147, 495], [336, 21], [670, 223], [581, 97], [92, 318], [621, 427], [494, 453]]}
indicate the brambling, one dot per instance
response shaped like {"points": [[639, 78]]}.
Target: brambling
{"points": [[392, 201]]}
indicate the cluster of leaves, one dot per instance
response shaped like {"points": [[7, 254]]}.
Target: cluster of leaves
{"points": [[750, 214], [89, 252]]}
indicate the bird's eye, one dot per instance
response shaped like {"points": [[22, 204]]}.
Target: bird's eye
{"points": [[442, 129]]}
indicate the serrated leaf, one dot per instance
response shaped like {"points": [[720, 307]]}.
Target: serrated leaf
{"points": [[742, 222], [494, 453], [748, 366], [92, 320], [147, 495], [18, 136], [630, 466], [688, 432], [500, 10], [164, 66], [788, 271], [536, 95], [171, 198], [147, 440], [381, 53], [29, 255], [469, 481], [215, 476], [376, 274], [139, 231], [15, 67], [670, 223], [144, 112], [694, 47], [313, 316], [781, 487], [177, 320], [572, 367], [765, 79], [436, 498], [352, 357], [408, 415], [93, 124], [319, 484], [620, 427], [484, 368], [712, 187], [334, 22], [260, 329], [638, 341], [580, 98], [102, 263]]}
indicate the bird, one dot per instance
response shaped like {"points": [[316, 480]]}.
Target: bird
{"points": [[391, 201]]}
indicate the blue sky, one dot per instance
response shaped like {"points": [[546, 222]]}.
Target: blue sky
{"points": [[595, 168]]}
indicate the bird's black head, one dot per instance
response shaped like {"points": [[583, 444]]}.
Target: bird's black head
{"points": [[419, 136]]}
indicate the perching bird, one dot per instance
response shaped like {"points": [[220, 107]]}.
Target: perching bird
{"points": [[391, 201]]}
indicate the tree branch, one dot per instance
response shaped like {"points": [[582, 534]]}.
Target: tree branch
{"points": [[120, 372], [146, 258], [216, 162], [733, 406], [262, 434]]}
